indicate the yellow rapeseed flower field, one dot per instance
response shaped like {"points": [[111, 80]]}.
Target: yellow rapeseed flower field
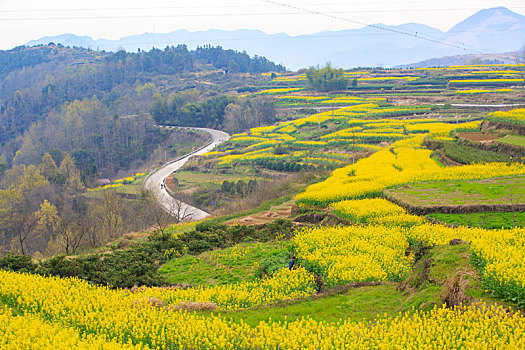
{"points": [[68, 311]]}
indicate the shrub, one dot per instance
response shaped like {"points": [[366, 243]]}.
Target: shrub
{"points": [[17, 263]]}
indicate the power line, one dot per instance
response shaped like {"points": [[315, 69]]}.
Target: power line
{"points": [[211, 7], [235, 6], [269, 37], [301, 12], [314, 12], [447, 42], [296, 11]]}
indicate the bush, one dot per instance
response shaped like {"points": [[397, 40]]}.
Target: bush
{"points": [[279, 228], [122, 269], [208, 225], [138, 264], [17, 263]]}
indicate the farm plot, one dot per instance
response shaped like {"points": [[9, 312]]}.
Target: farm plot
{"points": [[499, 192]]}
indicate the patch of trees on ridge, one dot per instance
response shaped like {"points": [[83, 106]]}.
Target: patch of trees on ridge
{"points": [[231, 114], [327, 78]]}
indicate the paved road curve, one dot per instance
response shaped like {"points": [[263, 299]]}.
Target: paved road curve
{"points": [[154, 180]]}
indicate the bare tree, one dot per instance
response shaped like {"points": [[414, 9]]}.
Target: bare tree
{"points": [[155, 212], [112, 221], [24, 226], [179, 208], [91, 226], [69, 234]]}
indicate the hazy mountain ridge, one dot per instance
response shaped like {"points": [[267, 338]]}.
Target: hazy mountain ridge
{"points": [[500, 58], [487, 31]]}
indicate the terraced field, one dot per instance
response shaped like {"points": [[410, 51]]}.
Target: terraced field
{"points": [[375, 276], [496, 191]]}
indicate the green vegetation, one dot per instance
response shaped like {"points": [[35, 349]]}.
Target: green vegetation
{"points": [[222, 266], [362, 303], [487, 220], [517, 140], [503, 190], [423, 289], [514, 116], [467, 154], [138, 263], [327, 78], [188, 178], [266, 205]]}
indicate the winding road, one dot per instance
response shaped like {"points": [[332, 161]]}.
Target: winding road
{"points": [[155, 180]]}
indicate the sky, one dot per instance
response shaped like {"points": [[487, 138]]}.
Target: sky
{"points": [[25, 20]]}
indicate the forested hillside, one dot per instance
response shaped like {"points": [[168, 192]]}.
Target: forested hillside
{"points": [[71, 116], [74, 99]]}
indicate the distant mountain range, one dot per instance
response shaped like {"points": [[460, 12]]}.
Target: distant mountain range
{"points": [[487, 31]]}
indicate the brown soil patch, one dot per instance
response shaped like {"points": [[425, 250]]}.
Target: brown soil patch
{"points": [[195, 306], [477, 136]]}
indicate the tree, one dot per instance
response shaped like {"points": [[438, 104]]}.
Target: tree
{"points": [[49, 169], [176, 206], [68, 229], [179, 209], [109, 214], [226, 186], [327, 78], [248, 113], [92, 224], [3, 165], [25, 223], [26, 191], [70, 175], [32, 193], [233, 67], [8, 199], [161, 217]]}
